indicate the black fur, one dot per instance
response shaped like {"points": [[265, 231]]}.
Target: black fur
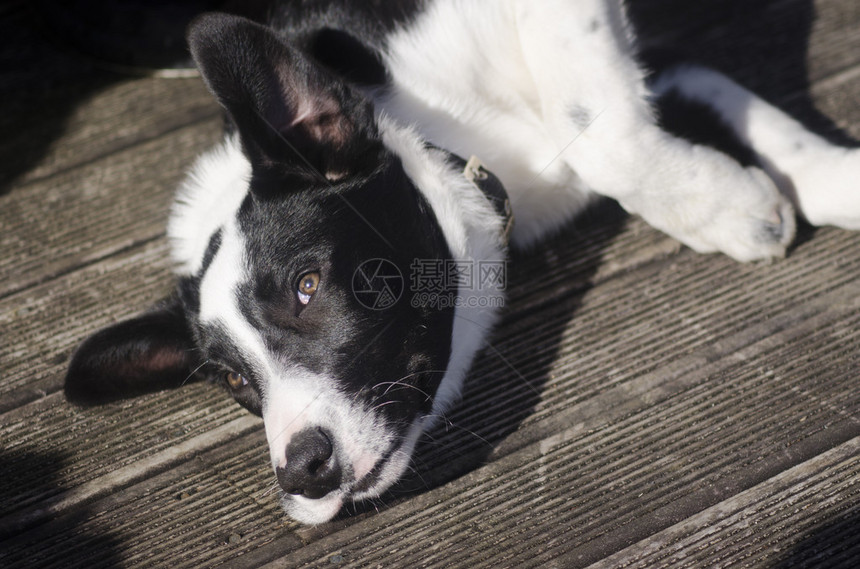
{"points": [[343, 35], [296, 122]]}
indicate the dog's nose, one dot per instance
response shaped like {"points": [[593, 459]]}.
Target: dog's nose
{"points": [[312, 469]]}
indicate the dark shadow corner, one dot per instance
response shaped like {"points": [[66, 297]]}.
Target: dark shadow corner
{"points": [[56, 54], [833, 544], [30, 478]]}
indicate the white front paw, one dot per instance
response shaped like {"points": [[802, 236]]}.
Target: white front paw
{"points": [[737, 211], [755, 221]]}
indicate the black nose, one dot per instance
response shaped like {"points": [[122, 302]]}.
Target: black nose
{"points": [[312, 469]]}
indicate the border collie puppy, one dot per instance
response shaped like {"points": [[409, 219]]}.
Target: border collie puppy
{"points": [[299, 241]]}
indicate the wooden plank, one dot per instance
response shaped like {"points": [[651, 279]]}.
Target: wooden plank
{"points": [[587, 492], [42, 325], [122, 115], [647, 413], [74, 455], [209, 508], [670, 315], [834, 42], [119, 478], [820, 495], [78, 217], [686, 422]]}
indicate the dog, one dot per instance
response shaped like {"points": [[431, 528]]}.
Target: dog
{"points": [[369, 144]]}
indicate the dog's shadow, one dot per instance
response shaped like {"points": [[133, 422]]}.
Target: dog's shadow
{"points": [[762, 44], [545, 290]]}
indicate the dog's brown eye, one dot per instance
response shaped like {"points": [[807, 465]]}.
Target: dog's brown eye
{"points": [[308, 285], [235, 380]]}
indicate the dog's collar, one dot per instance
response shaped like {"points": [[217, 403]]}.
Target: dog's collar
{"points": [[492, 188], [494, 191]]}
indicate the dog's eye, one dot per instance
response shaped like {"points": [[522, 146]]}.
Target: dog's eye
{"points": [[235, 380], [308, 284]]}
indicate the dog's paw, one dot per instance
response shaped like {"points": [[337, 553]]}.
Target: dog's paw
{"points": [[729, 209], [828, 189], [752, 221]]}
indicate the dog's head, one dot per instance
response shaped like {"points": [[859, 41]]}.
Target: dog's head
{"points": [[295, 242]]}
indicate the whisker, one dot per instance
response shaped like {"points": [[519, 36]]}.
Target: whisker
{"points": [[383, 405], [190, 375], [274, 488], [399, 381], [449, 423]]}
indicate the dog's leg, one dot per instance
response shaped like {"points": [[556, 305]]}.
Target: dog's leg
{"points": [[821, 179], [595, 102]]}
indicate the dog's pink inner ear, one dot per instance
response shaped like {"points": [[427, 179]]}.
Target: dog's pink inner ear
{"points": [[322, 121]]}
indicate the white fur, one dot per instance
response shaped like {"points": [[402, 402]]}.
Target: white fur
{"points": [[549, 96], [458, 75], [208, 198], [295, 399], [218, 299]]}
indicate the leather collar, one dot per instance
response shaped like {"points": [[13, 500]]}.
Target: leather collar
{"points": [[491, 187]]}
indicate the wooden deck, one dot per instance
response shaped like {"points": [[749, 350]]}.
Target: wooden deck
{"points": [[640, 406]]}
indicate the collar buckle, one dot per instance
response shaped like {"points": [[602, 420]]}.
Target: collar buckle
{"points": [[494, 191]]}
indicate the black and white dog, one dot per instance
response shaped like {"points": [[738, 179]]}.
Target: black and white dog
{"points": [[341, 173]]}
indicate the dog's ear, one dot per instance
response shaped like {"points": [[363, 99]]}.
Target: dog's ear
{"points": [[290, 112], [148, 353]]}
